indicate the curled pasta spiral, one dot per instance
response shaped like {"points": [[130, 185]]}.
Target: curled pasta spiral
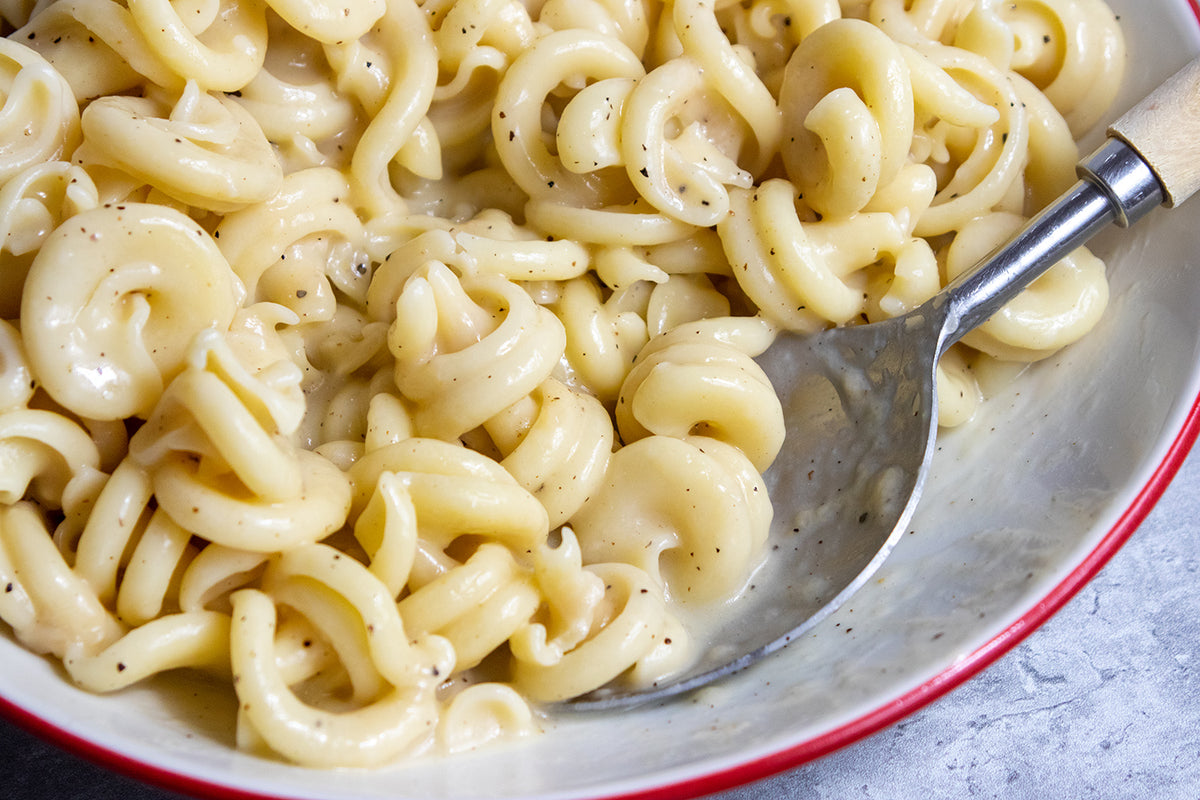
{"points": [[461, 111], [603, 335], [127, 551], [454, 492], [557, 445], [220, 44], [386, 528], [296, 102], [39, 120], [222, 466], [1049, 168], [792, 269], [848, 107], [413, 517], [445, 369], [97, 46], [483, 713], [517, 116], [476, 41], [465, 27], [682, 176], [700, 35], [1072, 50], [627, 632], [155, 272], [702, 379], [397, 718], [243, 418], [203, 150], [476, 605], [979, 127], [303, 235], [42, 451], [500, 347], [206, 506], [958, 389], [306, 579], [770, 29], [572, 597], [486, 244], [196, 640], [50, 608], [668, 521], [911, 275], [32, 204], [397, 102]]}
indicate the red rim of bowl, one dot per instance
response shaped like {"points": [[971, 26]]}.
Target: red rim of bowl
{"points": [[783, 760]]}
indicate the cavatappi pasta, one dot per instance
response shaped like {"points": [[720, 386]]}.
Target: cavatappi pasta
{"points": [[394, 361]]}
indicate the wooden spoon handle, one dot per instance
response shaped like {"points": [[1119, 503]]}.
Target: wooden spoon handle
{"points": [[1164, 129]]}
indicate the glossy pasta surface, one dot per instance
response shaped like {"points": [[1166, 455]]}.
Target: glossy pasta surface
{"points": [[393, 362]]}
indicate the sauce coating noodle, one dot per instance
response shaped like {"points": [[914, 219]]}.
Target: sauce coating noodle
{"points": [[393, 360]]}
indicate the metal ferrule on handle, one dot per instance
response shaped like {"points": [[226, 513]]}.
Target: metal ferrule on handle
{"points": [[1131, 185]]}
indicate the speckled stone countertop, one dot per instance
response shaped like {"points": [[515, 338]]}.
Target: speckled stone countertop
{"points": [[1102, 702]]}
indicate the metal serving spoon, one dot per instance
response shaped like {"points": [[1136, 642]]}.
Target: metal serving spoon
{"points": [[861, 401]]}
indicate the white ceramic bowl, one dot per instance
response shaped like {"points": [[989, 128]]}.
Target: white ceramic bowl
{"points": [[1023, 507]]}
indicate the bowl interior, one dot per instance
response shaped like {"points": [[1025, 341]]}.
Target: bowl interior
{"points": [[1018, 500]]}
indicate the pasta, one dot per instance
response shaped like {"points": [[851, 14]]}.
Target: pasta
{"points": [[392, 361]]}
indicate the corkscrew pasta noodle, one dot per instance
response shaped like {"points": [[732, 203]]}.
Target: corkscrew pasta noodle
{"points": [[391, 362]]}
